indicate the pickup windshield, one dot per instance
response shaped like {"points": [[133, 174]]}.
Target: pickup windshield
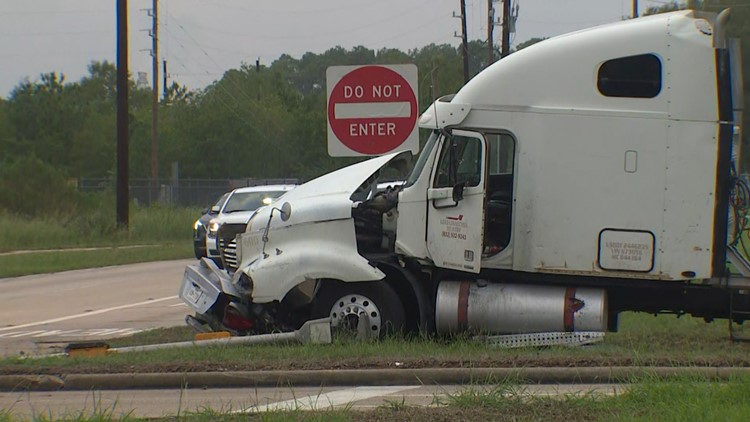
{"points": [[250, 201]]}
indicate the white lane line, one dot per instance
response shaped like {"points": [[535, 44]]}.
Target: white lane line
{"points": [[85, 314], [96, 332], [116, 332], [325, 401], [21, 334], [53, 333], [23, 252]]}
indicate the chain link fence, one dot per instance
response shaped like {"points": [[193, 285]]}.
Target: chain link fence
{"points": [[185, 192]]}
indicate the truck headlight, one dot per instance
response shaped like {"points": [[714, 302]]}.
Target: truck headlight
{"points": [[213, 227], [197, 225]]}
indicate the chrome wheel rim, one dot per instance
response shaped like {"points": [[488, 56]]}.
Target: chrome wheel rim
{"points": [[356, 315]]}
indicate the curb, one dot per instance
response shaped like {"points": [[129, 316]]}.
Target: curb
{"points": [[360, 377]]}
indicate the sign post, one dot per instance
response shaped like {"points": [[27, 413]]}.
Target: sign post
{"points": [[372, 109]]}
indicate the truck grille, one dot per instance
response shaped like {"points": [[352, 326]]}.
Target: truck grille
{"points": [[228, 244], [229, 255]]}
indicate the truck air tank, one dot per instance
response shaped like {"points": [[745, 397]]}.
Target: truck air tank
{"points": [[495, 308]]}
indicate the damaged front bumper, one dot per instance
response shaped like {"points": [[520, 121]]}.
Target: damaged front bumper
{"points": [[202, 284]]}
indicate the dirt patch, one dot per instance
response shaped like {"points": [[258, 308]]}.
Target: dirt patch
{"points": [[84, 367]]}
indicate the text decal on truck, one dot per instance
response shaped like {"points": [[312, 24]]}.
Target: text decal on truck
{"points": [[627, 250]]}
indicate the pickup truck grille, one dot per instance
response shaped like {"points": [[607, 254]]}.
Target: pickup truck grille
{"points": [[228, 244]]}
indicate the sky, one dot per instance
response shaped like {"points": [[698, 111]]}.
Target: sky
{"points": [[201, 39]]}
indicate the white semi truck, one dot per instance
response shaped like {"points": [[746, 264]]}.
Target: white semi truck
{"points": [[589, 174]]}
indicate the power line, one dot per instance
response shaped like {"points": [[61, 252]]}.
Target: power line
{"points": [[356, 28], [225, 90], [239, 88], [349, 5]]}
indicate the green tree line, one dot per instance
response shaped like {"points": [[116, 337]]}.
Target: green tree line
{"points": [[253, 122]]}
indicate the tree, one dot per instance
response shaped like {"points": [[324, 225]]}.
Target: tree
{"points": [[31, 187], [262, 122], [8, 144], [667, 7], [44, 119], [528, 43]]}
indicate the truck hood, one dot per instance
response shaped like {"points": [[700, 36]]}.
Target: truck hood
{"points": [[324, 198]]}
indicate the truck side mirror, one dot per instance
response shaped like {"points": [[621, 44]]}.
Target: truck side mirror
{"points": [[458, 192]]}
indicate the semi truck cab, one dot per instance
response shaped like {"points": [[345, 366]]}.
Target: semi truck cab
{"points": [[589, 174]]}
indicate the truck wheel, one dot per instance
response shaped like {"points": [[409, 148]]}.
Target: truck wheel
{"points": [[368, 310]]}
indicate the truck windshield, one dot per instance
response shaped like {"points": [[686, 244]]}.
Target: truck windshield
{"points": [[426, 151]]}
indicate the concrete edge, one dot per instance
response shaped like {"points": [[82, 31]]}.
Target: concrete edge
{"points": [[350, 377], [31, 382]]}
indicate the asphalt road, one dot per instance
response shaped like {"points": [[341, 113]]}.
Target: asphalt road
{"points": [[41, 314]]}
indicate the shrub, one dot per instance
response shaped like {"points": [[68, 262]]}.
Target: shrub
{"points": [[30, 187]]}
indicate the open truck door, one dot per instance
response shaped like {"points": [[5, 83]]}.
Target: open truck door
{"points": [[455, 202]]}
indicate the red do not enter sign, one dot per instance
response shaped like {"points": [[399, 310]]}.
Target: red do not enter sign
{"points": [[372, 110]]}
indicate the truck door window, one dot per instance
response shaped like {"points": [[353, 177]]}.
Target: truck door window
{"points": [[499, 203], [633, 77], [460, 162], [501, 153]]}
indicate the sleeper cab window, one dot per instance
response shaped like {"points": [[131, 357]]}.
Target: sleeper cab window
{"points": [[630, 77]]}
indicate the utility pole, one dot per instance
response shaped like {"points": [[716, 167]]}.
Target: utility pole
{"points": [[122, 115], [464, 42], [434, 83], [155, 100], [490, 29], [635, 9], [505, 50], [164, 73]]}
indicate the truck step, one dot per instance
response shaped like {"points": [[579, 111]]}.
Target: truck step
{"points": [[738, 314], [509, 341]]}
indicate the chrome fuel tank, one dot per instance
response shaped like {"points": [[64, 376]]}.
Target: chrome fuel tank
{"points": [[494, 308]]}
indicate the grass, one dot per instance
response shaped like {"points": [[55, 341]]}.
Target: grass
{"points": [[643, 341], [64, 260], [53, 243], [690, 399], [679, 399]]}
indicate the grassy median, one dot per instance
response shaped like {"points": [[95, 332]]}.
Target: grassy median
{"points": [[643, 340], [92, 239]]}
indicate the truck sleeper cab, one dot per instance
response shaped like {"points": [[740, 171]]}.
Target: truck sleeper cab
{"points": [[620, 165]]}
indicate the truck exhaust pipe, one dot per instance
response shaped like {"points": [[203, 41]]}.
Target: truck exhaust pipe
{"points": [[493, 308]]}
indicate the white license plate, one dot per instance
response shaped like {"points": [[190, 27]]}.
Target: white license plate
{"points": [[193, 293]]}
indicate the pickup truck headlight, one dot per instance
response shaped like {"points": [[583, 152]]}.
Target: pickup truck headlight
{"points": [[213, 227], [197, 225]]}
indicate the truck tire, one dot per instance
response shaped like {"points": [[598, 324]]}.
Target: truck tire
{"points": [[367, 310]]}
